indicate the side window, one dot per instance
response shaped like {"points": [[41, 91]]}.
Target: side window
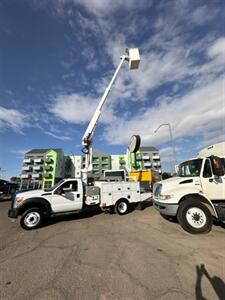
{"points": [[70, 186], [207, 172]]}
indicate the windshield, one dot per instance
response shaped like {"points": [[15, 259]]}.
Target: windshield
{"points": [[191, 168], [55, 186]]}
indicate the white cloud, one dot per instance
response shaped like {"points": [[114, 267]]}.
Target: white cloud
{"points": [[195, 113], [79, 109], [218, 49], [20, 152], [59, 137], [104, 7], [11, 118], [173, 54]]}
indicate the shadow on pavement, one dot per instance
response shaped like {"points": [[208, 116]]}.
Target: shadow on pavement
{"points": [[73, 216], [146, 204], [220, 224], [170, 218], [90, 212], [216, 282]]}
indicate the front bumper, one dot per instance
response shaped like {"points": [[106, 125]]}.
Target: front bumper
{"points": [[13, 213], [166, 208]]}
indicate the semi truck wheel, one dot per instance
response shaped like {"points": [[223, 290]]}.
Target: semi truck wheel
{"points": [[194, 217], [122, 207], [32, 218]]}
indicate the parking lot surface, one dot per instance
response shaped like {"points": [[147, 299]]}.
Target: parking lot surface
{"points": [[109, 257]]}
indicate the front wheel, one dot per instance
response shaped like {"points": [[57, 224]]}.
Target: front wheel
{"points": [[122, 207], [194, 217], [32, 218]]}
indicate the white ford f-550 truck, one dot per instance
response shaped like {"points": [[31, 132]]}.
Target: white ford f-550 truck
{"points": [[72, 195], [196, 195]]}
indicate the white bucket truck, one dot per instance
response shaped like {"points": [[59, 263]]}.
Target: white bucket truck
{"points": [[76, 194], [196, 196], [73, 195]]}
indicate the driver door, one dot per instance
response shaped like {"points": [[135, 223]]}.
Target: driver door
{"points": [[67, 197], [213, 188]]}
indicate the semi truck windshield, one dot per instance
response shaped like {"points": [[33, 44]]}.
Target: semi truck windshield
{"points": [[190, 168]]}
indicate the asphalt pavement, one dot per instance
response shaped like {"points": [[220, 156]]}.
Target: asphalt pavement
{"points": [[108, 257]]}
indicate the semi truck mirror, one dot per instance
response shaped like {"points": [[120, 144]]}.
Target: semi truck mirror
{"points": [[217, 166]]}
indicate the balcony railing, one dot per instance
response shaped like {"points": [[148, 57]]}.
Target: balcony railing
{"points": [[36, 176], [27, 168], [25, 176], [155, 157], [38, 160], [28, 160], [145, 157], [47, 168], [37, 168], [48, 160]]}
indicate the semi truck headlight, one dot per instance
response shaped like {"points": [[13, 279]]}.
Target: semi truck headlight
{"points": [[19, 200], [165, 197]]}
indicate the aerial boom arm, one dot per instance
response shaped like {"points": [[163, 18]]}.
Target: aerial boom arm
{"points": [[133, 58], [86, 140]]}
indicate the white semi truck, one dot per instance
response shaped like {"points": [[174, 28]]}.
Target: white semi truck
{"points": [[196, 196], [76, 194]]}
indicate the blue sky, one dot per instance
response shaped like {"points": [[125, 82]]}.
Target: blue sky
{"points": [[56, 58]]}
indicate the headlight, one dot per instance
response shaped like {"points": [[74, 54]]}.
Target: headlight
{"points": [[19, 200], [165, 197]]}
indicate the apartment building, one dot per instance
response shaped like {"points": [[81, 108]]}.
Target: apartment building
{"points": [[42, 168], [100, 162], [145, 158]]}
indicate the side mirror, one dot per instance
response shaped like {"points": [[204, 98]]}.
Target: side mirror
{"points": [[217, 166]]}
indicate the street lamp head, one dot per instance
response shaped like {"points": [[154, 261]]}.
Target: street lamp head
{"points": [[133, 58]]}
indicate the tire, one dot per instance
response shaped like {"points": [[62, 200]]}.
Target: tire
{"points": [[32, 218], [194, 217], [122, 207]]}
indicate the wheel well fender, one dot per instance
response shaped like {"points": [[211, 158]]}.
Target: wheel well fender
{"points": [[41, 203], [122, 199], [207, 202]]}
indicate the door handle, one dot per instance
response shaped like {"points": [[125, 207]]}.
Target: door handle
{"points": [[210, 179], [78, 195]]}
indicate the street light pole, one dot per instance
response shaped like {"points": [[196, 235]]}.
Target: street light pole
{"points": [[171, 141]]}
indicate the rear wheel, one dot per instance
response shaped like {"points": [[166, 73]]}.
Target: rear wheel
{"points": [[32, 218], [194, 217], [122, 207]]}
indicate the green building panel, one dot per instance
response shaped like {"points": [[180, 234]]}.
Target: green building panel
{"points": [[50, 169]]}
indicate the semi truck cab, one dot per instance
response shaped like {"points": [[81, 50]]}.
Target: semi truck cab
{"points": [[195, 196]]}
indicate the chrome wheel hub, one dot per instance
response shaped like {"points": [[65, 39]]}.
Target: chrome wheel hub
{"points": [[32, 219], [122, 207], [196, 217]]}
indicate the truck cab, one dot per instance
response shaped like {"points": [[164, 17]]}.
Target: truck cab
{"points": [[33, 206], [196, 195]]}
